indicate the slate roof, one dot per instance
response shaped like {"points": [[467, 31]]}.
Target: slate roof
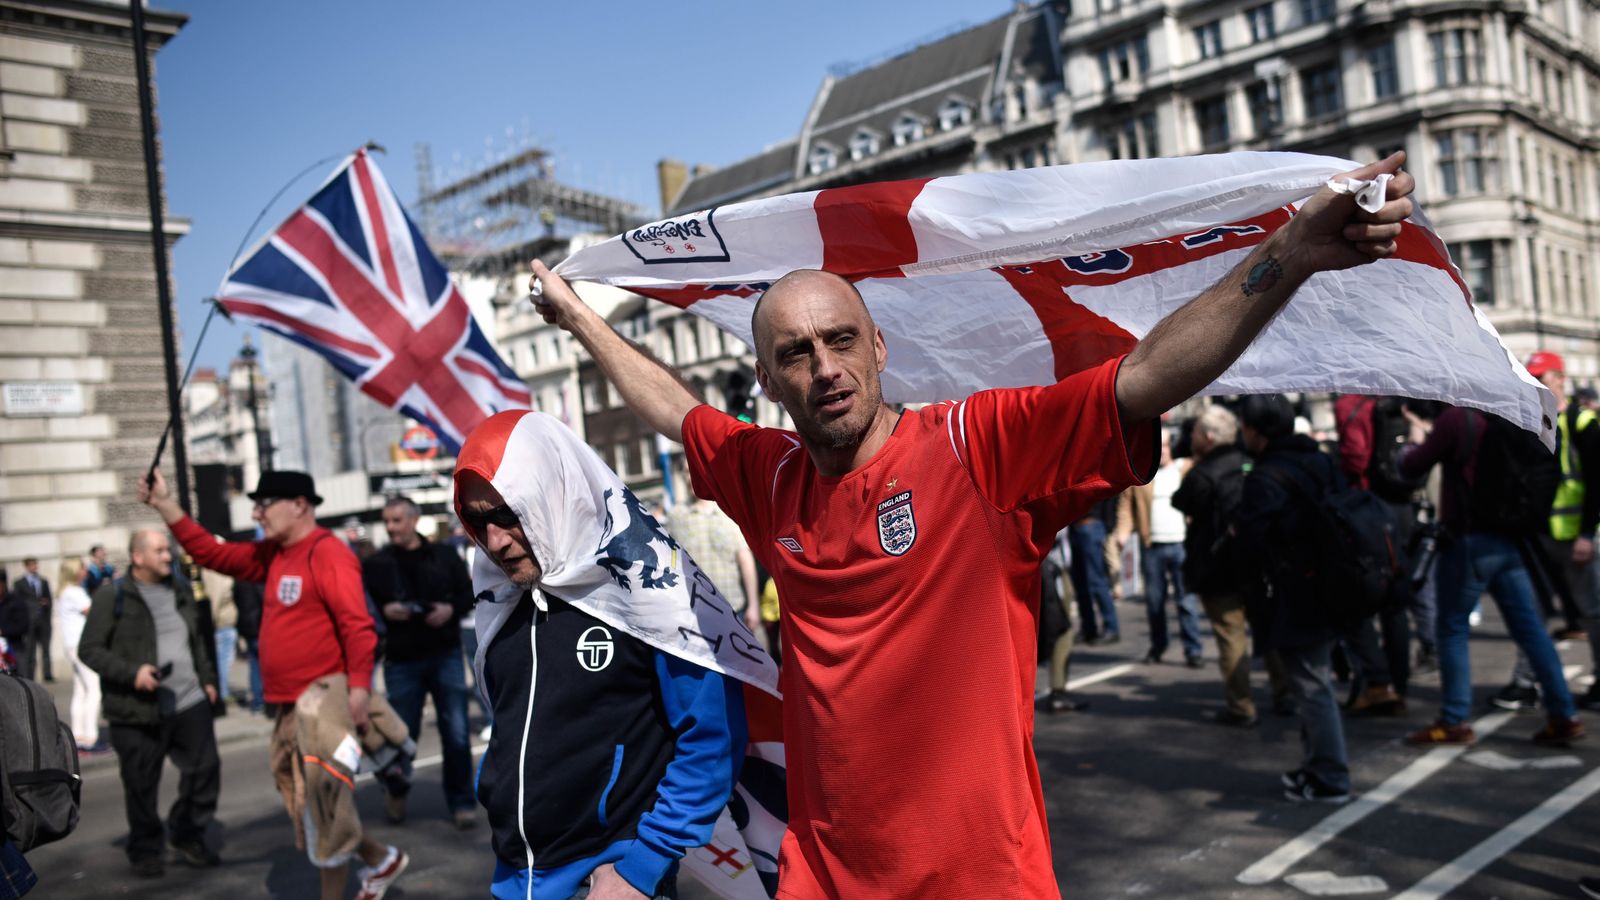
{"points": [[773, 165], [963, 65]]}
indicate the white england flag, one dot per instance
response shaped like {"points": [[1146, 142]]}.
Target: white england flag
{"points": [[1018, 278]]}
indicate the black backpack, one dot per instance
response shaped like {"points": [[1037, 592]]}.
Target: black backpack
{"points": [[1390, 431], [1349, 555], [1514, 483], [39, 780]]}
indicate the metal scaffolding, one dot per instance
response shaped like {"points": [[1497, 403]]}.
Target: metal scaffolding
{"points": [[491, 221]]}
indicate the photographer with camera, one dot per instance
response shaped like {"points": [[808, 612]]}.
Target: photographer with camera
{"points": [[422, 590], [158, 683]]}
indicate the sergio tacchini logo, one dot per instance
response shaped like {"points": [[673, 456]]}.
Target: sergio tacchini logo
{"points": [[595, 648]]}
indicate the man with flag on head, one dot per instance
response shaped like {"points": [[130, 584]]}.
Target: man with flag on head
{"points": [[899, 538], [613, 670]]}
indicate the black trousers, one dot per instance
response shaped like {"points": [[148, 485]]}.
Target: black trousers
{"points": [[190, 741], [39, 644]]}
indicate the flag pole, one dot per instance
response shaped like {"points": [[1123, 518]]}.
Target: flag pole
{"points": [[158, 241], [161, 446]]}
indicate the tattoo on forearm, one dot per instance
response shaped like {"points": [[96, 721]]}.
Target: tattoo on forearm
{"points": [[1263, 276]]}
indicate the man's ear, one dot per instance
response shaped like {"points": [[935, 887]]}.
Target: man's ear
{"points": [[764, 381], [880, 349]]}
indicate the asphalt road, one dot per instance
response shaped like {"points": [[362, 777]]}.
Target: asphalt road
{"points": [[1146, 798]]}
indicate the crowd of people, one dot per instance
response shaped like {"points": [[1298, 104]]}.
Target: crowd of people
{"points": [[1231, 524], [639, 655]]}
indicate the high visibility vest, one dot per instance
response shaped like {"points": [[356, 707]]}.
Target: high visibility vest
{"points": [[1564, 513]]}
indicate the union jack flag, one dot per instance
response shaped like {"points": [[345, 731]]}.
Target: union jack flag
{"points": [[349, 276]]}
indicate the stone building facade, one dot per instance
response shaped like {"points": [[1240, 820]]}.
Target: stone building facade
{"points": [[1496, 103], [80, 340]]}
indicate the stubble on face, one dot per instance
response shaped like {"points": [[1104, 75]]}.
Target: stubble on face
{"points": [[807, 314]]}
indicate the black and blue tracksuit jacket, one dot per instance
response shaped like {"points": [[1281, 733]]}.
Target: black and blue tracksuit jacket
{"points": [[605, 750]]}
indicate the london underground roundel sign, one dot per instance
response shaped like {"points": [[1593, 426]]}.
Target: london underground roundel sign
{"points": [[419, 442]]}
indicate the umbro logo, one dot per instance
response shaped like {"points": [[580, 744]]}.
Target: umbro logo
{"points": [[790, 544]]}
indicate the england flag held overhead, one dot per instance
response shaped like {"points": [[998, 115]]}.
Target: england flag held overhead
{"points": [[349, 275], [1004, 279]]}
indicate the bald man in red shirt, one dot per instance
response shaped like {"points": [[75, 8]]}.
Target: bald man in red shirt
{"points": [[906, 547]]}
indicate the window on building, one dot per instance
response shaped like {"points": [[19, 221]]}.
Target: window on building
{"points": [[1208, 38], [1558, 90], [863, 143], [1478, 262], [689, 344], [1266, 106], [1582, 297], [1262, 26], [1134, 137], [1467, 161], [628, 455], [1315, 11], [1125, 61], [1457, 56], [1211, 115], [823, 158], [1385, 74], [954, 113], [594, 395], [1321, 90], [1527, 186], [647, 456], [1150, 145], [907, 129], [1537, 79], [710, 339], [1568, 301]]}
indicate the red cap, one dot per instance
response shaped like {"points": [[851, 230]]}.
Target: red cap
{"points": [[1544, 361]]}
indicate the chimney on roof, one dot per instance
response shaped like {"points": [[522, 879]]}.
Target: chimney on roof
{"points": [[671, 176]]}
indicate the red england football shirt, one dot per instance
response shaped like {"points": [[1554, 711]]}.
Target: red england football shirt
{"points": [[910, 591], [314, 619]]}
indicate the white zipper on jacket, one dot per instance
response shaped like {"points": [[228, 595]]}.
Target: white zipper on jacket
{"points": [[527, 721]]}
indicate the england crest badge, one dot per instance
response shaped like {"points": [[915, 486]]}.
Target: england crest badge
{"points": [[897, 525], [289, 590]]}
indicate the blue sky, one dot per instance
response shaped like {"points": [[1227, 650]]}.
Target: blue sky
{"points": [[251, 93]]}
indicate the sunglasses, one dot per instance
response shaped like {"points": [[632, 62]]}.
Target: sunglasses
{"points": [[265, 502], [501, 516]]}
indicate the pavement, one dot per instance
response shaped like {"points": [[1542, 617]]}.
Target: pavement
{"points": [[1145, 796]]}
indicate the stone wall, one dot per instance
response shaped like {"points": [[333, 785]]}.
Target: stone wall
{"points": [[78, 298]]}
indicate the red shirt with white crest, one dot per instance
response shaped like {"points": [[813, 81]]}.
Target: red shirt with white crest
{"points": [[314, 619], [910, 612]]}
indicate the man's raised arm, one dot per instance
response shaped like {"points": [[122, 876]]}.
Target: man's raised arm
{"points": [[653, 391], [1193, 347], [242, 560]]}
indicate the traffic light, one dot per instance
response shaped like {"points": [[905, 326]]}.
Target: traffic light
{"points": [[737, 391]]}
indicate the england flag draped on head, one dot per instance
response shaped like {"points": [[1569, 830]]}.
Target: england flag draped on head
{"points": [[599, 550]]}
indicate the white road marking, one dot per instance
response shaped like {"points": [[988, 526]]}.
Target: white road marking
{"points": [[1454, 873], [1327, 884], [1102, 675], [1105, 674], [1273, 865], [1493, 759]]}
